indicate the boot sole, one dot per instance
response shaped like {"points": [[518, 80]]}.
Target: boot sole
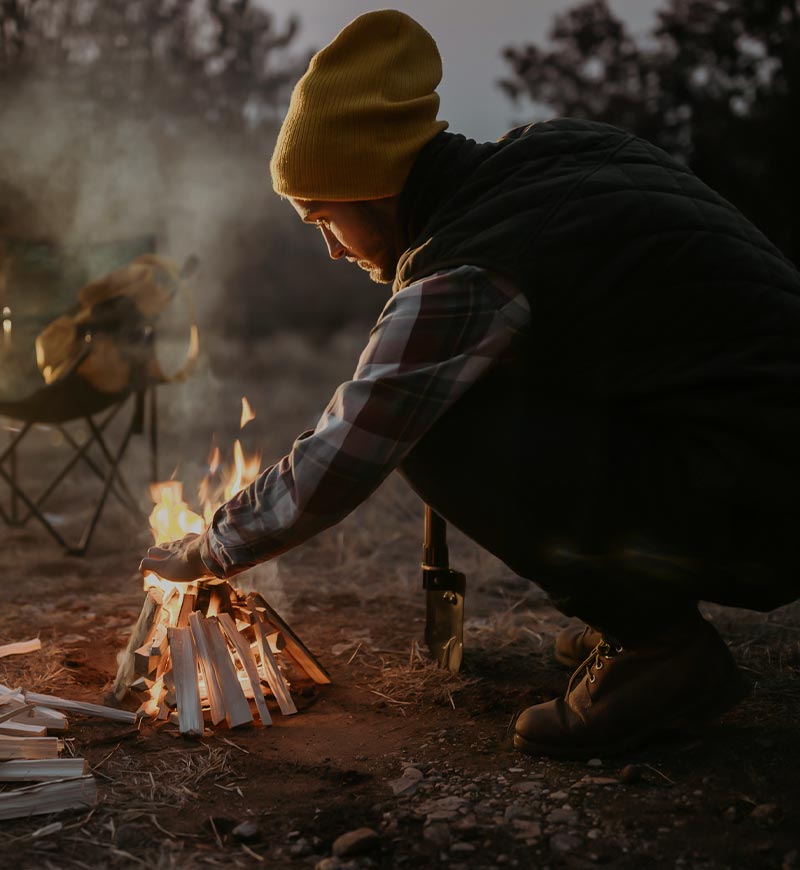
{"points": [[702, 714]]}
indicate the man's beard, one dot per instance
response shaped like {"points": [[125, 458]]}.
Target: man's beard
{"points": [[377, 273], [383, 269]]}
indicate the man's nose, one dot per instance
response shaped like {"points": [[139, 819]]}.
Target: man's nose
{"points": [[335, 248]]}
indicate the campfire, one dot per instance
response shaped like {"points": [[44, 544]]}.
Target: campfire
{"points": [[206, 649]]}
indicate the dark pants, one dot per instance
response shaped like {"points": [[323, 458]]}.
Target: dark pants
{"points": [[626, 523]]}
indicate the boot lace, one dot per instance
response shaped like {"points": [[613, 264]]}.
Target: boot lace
{"points": [[594, 662]]}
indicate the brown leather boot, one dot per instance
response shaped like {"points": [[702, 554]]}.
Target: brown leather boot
{"points": [[574, 643], [621, 697]]}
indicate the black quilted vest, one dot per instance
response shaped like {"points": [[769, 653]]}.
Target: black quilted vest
{"points": [[650, 294]]}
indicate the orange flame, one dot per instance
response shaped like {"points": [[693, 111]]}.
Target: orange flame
{"points": [[172, 519], [247, 413]]}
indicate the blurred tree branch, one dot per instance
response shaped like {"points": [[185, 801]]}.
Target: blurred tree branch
{"points": [[716, 83]]}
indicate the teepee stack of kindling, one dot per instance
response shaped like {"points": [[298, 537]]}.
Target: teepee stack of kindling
{"points": [[206, 650]]}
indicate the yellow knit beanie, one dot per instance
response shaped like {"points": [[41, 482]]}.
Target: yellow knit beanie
{"points": [[361, 113]]}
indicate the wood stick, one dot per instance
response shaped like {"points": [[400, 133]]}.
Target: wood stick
{"points": [[22, 729], [28, 747], [13, 712], [81, 707], [220, 600], [300, 652], [236, 707], [184, 673], [197, 623], [43, 769], [272, 674], [143, 629], [20, 648], [52, 720], [49, 797], [249, 663], [187, 606]]}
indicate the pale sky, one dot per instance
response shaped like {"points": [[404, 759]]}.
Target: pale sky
{"points": [[470, 34]]}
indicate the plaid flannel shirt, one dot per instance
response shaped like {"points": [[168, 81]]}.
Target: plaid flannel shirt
{"points": [[433, 340]]}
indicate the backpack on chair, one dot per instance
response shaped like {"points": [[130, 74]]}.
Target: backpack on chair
{"points": [[107, 338]]}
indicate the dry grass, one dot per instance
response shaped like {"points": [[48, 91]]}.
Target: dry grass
{"points": [[413, 682], [42, 671]]}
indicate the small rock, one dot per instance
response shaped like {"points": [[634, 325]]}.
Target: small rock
{"points": [[467, 822], [355, 842], [246, 831], [766, 813], [594, 834], [562, 817], [517, 811], [328, 864], [558, 796], [630, 774], [408, 782], [595, 762], [437, 833], [526, 829], [564, 843], [413, 773], [300, 848], [462, 847], [526, 787], [731, 814]]}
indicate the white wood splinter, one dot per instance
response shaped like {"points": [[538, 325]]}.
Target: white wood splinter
{"points": [[14, 728], [184, 673], [49, 797], [197, 625], [20, 648], [97, 710], [52, 720], [42, 769], [236, 707], [145, 625], [245, 654], [271, 672], [28, 747], [294, 646]]}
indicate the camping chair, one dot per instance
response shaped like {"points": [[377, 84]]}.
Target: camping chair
{"points": [[40, 280]]}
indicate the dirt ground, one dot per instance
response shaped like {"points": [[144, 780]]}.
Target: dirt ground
{"points": [[422, 758]]}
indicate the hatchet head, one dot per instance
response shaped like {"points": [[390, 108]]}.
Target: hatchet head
{"points": [[444, 596]]}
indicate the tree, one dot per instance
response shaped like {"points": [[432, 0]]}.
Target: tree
{"points": [[717, 84], [207, 58]]}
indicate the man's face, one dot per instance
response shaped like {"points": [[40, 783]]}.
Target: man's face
{"points": [[366, 233]]}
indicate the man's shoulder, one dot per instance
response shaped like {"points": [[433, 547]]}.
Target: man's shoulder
{"points": [[565, 128]]}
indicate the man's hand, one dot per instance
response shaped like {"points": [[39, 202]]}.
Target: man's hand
{"points": [[178, 561]]}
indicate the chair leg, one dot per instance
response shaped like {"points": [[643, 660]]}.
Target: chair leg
{"points": [[10, 454], [80, 453], [14, 502], [19, 493], [97, 435], [135, 425]]}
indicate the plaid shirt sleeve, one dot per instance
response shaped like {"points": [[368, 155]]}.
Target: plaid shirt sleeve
{"points": [[433, 340]]}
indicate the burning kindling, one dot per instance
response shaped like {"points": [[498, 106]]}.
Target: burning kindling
{"points": [[206, 649]]}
